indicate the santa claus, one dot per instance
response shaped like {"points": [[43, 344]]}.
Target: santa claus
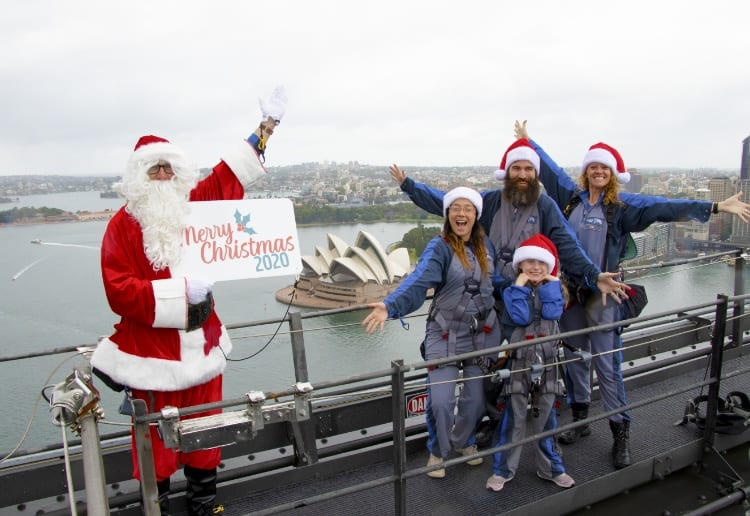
{"points": [[169, 347]]}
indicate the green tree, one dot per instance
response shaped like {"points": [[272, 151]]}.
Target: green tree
{"points": [[417, 239]]}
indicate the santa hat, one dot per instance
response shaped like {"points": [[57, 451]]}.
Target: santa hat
{"points": [[152, 148], [609, 157], [538, 247], [520, 149], [463, 192], [275, 106]]}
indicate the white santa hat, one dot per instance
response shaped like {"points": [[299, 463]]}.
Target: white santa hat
{"points": [[275, 106], [520, 149], [538, 247], [463, 192], [609, 157]]}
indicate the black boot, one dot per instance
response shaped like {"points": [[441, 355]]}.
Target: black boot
{"points": [[163, 490], [580, 411], [621, 447], [201, 491]]}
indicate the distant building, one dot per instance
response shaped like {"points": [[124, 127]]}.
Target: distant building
{"points": [[740, 229], [745, 162], [720, 225], [636, 181]]}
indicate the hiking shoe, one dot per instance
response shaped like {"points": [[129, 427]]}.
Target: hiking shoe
{"points": [[561, 480], [471, 450], [496, 482], [435, 473]]}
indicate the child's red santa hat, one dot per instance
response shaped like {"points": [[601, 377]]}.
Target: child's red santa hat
{"points": [[609, 157], [538, 247], [520, 149]]}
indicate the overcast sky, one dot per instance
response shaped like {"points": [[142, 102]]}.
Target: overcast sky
{"points": [[413, 82]]}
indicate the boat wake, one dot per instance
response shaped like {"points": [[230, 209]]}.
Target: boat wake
{"points": [[29, 266], [67, 245]]}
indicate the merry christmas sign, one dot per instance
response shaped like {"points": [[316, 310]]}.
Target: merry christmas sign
{"points": [[249, 238]]}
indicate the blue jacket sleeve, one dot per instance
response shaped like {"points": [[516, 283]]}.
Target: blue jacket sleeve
{"points": [[573, 259], [412, 292], [428, 198], [557, 183], [640, 211], [550, 295], [518, 304]]}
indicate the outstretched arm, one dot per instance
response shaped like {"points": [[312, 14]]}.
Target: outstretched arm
{"points": [[735, 205], [609, 286], [375, 319], [397, 174], [428, 198]]}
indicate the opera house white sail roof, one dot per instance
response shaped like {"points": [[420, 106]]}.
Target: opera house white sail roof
{"points": [[365, 261]]}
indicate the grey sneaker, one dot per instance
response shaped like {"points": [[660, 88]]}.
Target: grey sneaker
{"points": [[496, 482], [435, 473], [562, 480], [471, 450]]}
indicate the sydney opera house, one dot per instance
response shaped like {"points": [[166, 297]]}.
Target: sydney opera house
{"points": [[339, 274]]}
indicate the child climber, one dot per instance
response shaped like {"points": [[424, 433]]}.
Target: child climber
{"points": [[535, 303]]}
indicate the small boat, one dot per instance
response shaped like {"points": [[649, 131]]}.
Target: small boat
{"points": [[36, 241]]}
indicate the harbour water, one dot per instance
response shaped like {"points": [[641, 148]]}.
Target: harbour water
{"points": [[60, 302]]}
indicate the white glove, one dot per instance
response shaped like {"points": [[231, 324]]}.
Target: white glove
{"points": [[275, 106], [197, 290]]}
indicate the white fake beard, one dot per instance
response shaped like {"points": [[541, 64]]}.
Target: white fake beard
{"points": [[161, 211]]}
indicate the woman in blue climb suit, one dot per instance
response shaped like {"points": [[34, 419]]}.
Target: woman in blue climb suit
{"points": [[602, 218], [459, 265], [534, 302]]}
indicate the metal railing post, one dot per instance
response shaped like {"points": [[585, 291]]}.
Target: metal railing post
{"points": [[717, 355], [399, 436], [146, 467], [93, 466], [738, 324], [305, 448]]}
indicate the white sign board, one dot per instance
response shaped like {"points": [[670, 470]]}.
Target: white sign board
{"points": [[248, 238]]}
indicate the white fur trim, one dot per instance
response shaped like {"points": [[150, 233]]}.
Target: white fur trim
{"points": [[157, 374], [532, 252], [245, 163], [500, 174], [159, 150], [623, 177], [463, 192], [170, 302], [521, 153], [599, 156]]}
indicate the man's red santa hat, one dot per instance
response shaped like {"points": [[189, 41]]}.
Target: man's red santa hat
{"points": [[609, 157], [150, 149], [537, 247], [519, 150]]}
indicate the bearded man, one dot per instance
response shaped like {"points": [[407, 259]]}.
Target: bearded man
{"points": [[169, 348]]}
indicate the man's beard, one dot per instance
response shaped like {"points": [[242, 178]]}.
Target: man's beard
{"points": [[521, 196], [161, 212]]}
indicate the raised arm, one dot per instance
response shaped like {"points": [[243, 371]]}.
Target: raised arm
{"points": [[557, 183], [428, 198]]}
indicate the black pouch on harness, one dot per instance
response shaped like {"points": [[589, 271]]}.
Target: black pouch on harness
{"points": [[578, 291], [635, 302]]}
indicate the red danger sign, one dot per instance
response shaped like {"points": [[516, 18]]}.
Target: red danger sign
{"points": [[416, 404]]}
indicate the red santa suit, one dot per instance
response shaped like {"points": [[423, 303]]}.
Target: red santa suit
{"points": [[151, 352]]}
